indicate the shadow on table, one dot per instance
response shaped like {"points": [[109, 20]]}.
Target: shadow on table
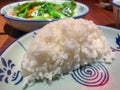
{"points": [[13, 32]]}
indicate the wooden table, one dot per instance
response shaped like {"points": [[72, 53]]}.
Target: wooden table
{"points": [[99, 16]]}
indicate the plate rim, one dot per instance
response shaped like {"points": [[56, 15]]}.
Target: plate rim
{"points": [[2, 52]]}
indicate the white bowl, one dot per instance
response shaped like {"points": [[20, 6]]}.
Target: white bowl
{"points": [[116, 10], [29, 25]]}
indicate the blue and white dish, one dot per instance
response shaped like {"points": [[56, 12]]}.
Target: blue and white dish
{"points": [[116, 3], [98, 76], [29, 25]]}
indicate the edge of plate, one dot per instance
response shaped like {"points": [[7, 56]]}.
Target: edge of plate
{"points": [[1, 53]]}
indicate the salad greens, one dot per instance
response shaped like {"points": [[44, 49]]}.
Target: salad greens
{"points": [[45, 10]]}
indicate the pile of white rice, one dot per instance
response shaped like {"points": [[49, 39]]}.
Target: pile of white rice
{"points": [[62, 46]]}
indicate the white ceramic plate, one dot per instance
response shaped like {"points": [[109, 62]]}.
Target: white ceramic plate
{"points": [[95, 77]]}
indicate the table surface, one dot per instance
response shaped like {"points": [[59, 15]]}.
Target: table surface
{"points": [[98, 15]]}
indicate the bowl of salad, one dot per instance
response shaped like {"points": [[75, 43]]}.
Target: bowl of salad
{"points": [[30, 15]]}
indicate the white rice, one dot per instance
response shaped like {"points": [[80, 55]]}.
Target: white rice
{"points": [[62, 46]]}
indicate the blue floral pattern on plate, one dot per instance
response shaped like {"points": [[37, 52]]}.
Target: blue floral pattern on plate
{"points": [[7, 73], [118, 44]]}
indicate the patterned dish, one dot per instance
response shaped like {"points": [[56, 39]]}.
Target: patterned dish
{"points": [[98, 76]]}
